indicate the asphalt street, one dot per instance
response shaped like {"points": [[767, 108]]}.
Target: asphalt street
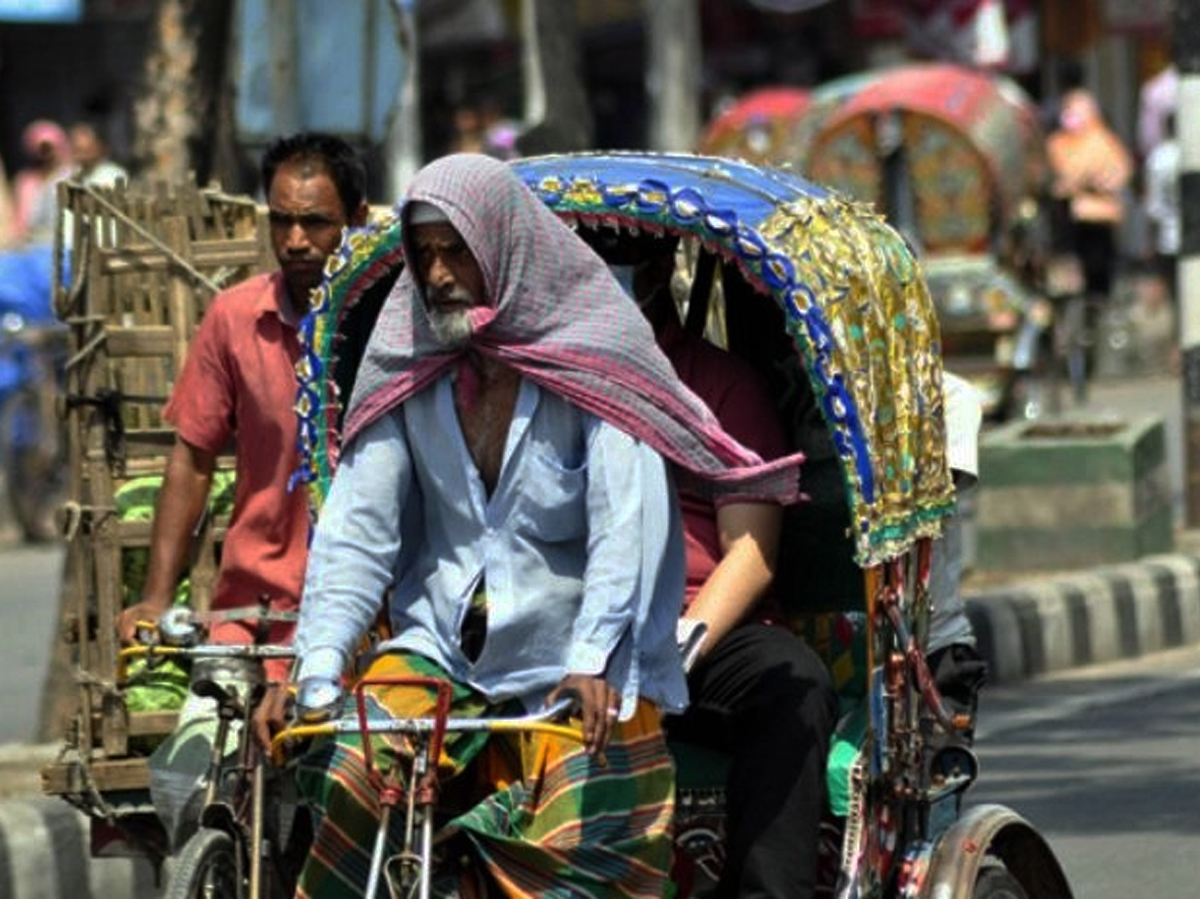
{"points": [[29, 588]]}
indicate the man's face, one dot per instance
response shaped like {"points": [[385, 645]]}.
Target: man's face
{"points": [[450, 278], [86, 148], [306, 218]]}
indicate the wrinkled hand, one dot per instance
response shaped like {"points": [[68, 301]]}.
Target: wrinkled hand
{"points": [[127, 620], [271, 714], [600, 705]]}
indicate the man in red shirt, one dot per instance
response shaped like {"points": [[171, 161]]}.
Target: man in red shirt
{"points": [[239, 385], [757, 691]]}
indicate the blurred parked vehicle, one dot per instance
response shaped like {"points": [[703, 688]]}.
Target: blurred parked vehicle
{"points": [[757, 126], [953, 158]]}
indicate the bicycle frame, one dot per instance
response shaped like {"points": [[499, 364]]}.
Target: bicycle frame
{"points": [[420, 788], [239, 811]]}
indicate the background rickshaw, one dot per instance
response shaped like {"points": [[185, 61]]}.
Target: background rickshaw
{"points": [[756, 126], [776, 125], [953, 157], [827, 300]]}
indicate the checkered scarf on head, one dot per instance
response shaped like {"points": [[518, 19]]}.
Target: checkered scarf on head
{"points": [[556, 314]]}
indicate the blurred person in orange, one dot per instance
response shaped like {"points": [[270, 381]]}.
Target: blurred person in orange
{"points": [[1091, 170]]}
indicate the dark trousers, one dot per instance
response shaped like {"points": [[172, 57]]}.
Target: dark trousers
{"points": [[1096, 243], [763, 696]]}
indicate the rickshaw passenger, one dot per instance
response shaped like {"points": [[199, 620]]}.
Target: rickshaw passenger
{"points": [[757, 690], [503, 473]]}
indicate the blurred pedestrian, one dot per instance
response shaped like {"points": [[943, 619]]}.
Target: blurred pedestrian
{"points": [[27, 263], [468, 136], [1161, 179], [1069, 75], [499, 131], [1090, 173], [93, 168], [1157, 97], [91, 154], [35, 186]]}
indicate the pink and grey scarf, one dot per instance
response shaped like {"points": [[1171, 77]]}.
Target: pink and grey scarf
{"points": [[558, 316]]}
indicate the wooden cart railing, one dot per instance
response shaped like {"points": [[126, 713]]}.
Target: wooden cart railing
{"points": [[136, 267]]}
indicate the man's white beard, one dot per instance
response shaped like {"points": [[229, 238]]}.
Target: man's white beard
{"points": [[451, 329]]}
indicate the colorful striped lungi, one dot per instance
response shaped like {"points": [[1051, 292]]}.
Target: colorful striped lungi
{"points": [[547, 821]]}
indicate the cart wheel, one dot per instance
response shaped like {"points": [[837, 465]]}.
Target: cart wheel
{"points": [[996, 881], [206, 867]]}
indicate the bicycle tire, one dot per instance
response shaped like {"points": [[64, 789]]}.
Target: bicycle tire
{"points": [[996, 881], [206, 867]]}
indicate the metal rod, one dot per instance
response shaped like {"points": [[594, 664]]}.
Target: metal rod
{"points": [[256, 824], [385, 816], [427, 854]]}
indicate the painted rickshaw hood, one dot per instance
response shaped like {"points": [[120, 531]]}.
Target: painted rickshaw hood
{"points": [[856, 308]]}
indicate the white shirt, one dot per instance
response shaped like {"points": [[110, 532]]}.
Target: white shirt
{"points": [[580, 541], [1162, 194]]}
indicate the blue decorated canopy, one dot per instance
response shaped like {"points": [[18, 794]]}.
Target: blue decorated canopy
{"points": [[853, 299]]}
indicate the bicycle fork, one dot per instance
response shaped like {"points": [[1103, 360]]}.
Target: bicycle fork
{"points": [[412, 866]]}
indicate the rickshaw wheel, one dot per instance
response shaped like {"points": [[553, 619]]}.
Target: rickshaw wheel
{"points": [[996, 881], [206, 867]]}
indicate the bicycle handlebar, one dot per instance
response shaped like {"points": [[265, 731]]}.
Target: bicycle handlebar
{"points": [[544, 721], [200, 651]]}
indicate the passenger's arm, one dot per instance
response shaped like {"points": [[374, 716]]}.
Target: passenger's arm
{"points": [[180, 505], [749, 535]]}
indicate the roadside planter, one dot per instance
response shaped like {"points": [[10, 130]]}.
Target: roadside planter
{"points": [[1070, 493]]}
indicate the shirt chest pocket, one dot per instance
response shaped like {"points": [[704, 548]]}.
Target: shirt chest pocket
{"points": [[553, 504]]}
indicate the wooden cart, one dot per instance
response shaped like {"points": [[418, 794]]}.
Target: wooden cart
{"points": [[136, 267]]}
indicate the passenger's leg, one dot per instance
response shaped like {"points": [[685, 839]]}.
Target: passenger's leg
{"points": [[765, 697]]}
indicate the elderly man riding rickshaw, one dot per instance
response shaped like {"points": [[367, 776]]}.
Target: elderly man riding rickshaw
{"points": [[825, 303]]}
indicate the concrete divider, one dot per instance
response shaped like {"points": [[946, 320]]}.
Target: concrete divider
{"points": [[1098, 615], [44, 853], [1073, 493]]}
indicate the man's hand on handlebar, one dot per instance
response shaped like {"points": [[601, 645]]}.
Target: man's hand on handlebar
{"points": [[175, 626], [271, 714], [317, 700], [129, 620], [599, 707]]}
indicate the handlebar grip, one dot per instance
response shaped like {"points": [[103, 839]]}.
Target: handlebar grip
{"points": [[318, 700]]}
